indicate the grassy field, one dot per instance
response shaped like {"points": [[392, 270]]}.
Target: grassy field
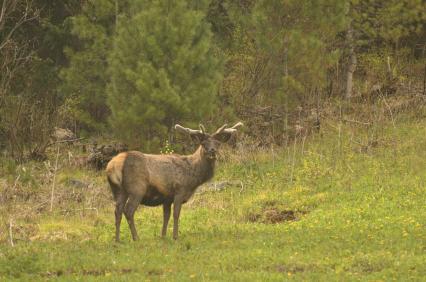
{"points": [[347, 204]]}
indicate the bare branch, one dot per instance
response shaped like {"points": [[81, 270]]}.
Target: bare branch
{"points": [[2, 14], [23, 19]]}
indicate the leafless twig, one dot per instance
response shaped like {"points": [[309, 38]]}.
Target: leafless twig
{"points": [[293, 161], [95, 209], [10, 233], [16, 182], [242, 187], [54, 180], [65, 141], [389, 109], [355, 121]]}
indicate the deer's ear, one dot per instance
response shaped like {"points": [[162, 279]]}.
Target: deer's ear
{"points": [[223, 136], [198, 138]]}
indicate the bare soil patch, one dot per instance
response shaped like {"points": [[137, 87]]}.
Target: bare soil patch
{"points": [[272, 215]]}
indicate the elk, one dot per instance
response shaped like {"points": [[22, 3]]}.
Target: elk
{"points": [[152, 180]]}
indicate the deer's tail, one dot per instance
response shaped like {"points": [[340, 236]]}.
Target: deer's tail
{"points": [[114, 172], [115, 188]]}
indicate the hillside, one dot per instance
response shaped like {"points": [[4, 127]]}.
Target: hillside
{"points": [[347, 203]]}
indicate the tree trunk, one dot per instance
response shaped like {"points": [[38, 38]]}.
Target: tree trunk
{"points": [[351, 64]]}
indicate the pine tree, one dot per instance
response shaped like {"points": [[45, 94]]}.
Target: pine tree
{"points": [[163, 70], [85, 79]]}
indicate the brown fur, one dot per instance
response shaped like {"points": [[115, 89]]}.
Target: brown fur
{"points": [[165, 175]]}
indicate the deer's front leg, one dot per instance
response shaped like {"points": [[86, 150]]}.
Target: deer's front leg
{"points": [[166, 216], [177, 205]]}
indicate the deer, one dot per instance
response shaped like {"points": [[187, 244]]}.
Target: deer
{"points": [[137, 179]]}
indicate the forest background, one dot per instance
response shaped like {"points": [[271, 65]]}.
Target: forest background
{"points": [[130, 70]]}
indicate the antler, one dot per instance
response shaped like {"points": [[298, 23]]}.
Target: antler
{"points": [[202, 130], [188, 130], [220, 130], [233, 129]]}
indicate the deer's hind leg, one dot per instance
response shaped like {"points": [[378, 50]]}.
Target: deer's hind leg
{"points": [[120, 202], [129, 212]]}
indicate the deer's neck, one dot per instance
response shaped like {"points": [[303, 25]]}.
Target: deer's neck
{"points": [[202, 166]]}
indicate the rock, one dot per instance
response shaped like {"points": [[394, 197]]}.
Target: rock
{"points": [[220, 185], [63, 134]]}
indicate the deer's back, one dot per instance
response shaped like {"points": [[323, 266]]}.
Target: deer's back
{"points": [[157, 177]]}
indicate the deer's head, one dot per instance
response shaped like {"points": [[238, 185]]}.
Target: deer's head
{"points": [[210, 143]]}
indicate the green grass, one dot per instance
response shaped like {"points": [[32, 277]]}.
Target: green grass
{"points": [[355, 213]]}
